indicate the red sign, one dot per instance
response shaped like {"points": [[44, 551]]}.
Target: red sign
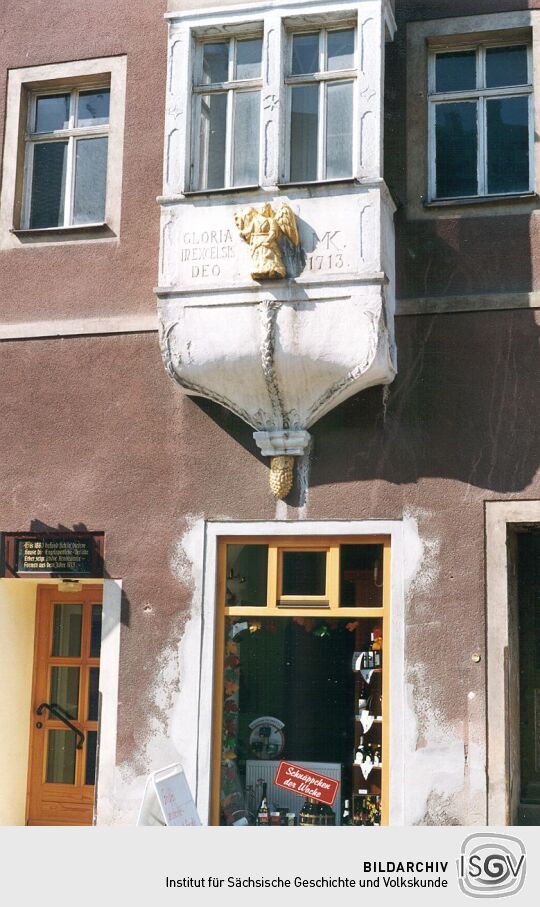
{"points": [[306, 783]]}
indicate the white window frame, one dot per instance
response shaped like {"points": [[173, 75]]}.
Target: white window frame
{"points": [[231, 87], [479, 96], [70, 134], [55, 78], [322, 78]]}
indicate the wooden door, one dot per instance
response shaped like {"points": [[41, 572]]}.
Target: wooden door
{"points": [[64, 721]]}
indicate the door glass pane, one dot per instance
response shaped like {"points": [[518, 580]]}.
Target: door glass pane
{"points": [[304, 573], [305, 54], [455, 71], [67, 626], [248, 58], [91, 754], [340, 49], [304, 130], [457, 143], [52, 112], [246, 138], [90, 181], [361, 576], [339, 121], [247, 571], [61, 757], [48, 185], [93, 694], [65, 689], [212, 141], [215, 63], [95, 631], [506, 66], [508, 145], [93, 107]]}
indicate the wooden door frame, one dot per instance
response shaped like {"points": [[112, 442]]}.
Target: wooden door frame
{"points": [[45, 592]]}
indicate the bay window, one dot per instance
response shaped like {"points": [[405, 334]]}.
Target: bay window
{"points": [[321, 87], [481, 121], [227, 95]]}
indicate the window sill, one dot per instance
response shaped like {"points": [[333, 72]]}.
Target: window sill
{"points": [[342, 181], [227, 190], [482, 200], [81, 231]]}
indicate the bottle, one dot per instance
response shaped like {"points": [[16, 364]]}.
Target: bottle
{"points": [[360, 752], [263, 812], [376, 646], [346, 817], [377, 754]]}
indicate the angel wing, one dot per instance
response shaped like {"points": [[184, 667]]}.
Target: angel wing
{"points": [[287, 223], [243, 220]]}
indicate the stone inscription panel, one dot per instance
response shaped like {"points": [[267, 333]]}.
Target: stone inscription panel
{"points": [[78, 555], [338, 235]]}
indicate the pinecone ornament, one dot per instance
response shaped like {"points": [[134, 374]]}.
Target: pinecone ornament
{"points": [[281, 475]]}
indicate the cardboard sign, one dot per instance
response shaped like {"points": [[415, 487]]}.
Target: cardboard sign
{"points": [[306, 783], [167, 799]]}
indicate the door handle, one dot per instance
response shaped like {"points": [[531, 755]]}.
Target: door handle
{"points": [[57, 710]]}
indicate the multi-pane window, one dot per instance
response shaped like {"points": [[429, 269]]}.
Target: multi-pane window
{"points": [[321, 91], [66, 158], [481, 122], [227, 98]]}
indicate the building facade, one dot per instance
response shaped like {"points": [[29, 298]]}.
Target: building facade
{"points": [[269, 382]]}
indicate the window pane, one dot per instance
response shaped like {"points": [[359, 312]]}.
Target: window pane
{"points": [[248, 58], [61, 757], [67, 625], [91, 753], [212, 141], [304, 130], [506, 66], [304, 573], [246, 138], [48, 185], [361, 576], [247, 571], [456, 71], [457, 143], [93, 694], [339, 121], [215, 63], [340, 49], [52, 112], [95, 631], [65, 689], [93, 108], [90, 181], [508, 145], [305, 54]]}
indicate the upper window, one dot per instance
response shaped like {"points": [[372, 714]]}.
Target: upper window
{"points": [[481, 122], [321, 89], [227, 94], [66, 158]]}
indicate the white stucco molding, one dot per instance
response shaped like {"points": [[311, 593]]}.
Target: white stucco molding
{"points": [[201, 692], [282, 443], [500, 517]]}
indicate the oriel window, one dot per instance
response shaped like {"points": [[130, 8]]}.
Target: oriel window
{"points": [[481, 122], [66, 158], [321, 81], [227, 99]]}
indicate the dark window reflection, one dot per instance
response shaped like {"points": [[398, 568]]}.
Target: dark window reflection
{"points": [[456, 149], [304, 573], [508, 145], [455, 71]]}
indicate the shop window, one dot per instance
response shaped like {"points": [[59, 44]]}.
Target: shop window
{"points": [[481, 121], [321, 83], [66, 158], [227, 100], [302, 676]]}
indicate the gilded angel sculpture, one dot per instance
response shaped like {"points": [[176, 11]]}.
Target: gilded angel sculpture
{"points": [[262, 230]]}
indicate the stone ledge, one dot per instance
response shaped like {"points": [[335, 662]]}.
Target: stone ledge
{"points": [[441, 305]]}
